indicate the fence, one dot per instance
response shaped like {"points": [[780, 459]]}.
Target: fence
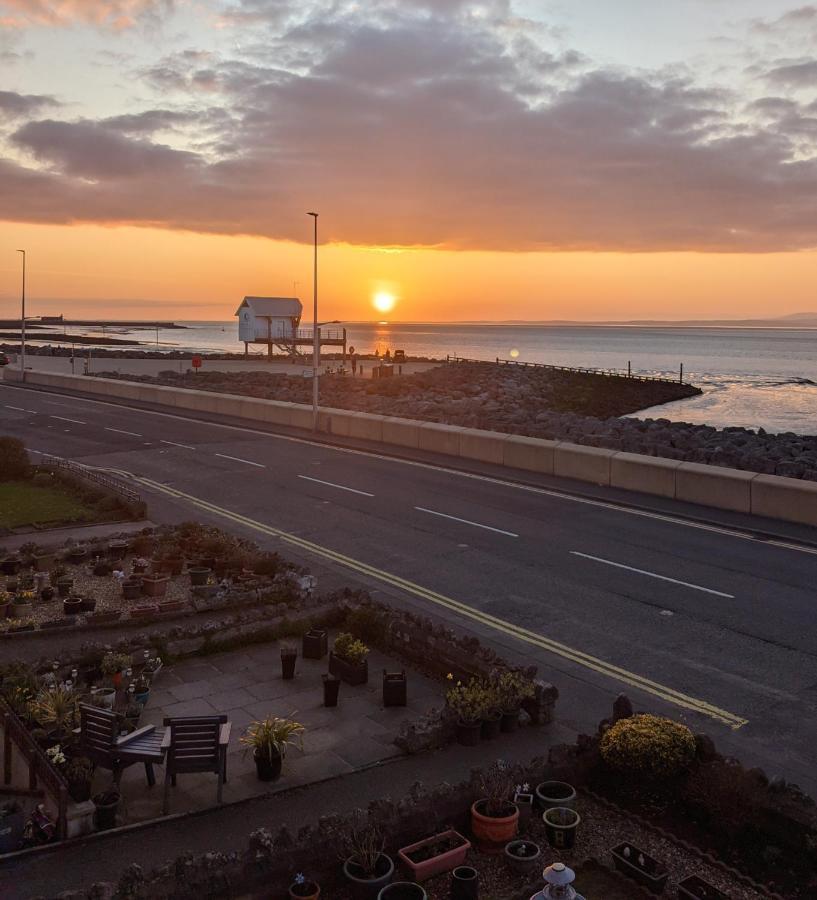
{"points": [[100, 478], [607, 373]]}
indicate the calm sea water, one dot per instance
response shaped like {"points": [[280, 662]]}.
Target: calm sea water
{"points": [[751, 377]]}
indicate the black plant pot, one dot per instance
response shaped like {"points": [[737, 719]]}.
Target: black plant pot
{"points": [[288, 660], [468, 733], [464, 883], [331, 686], [47, 594], [695, 888], [491, 726], [10, 566], [268, 768], [106, 805], [509, 722], [315, 644], [402, 890]]}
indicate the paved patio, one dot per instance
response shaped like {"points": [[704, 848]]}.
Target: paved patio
{"points": [[246, 685]]}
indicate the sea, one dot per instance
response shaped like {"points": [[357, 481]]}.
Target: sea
{"points": [[751, 377]]}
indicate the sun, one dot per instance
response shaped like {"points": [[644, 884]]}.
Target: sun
{"points": [[383, 301]]}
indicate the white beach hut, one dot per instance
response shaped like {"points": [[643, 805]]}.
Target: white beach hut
{"points": [[269, 320]]}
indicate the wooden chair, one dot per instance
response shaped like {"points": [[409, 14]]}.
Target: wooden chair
{"points": [[100, 741], [195, 744]]}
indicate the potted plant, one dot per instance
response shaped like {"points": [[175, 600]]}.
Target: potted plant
{"points": [[10, 565], [47, 594], [79, 773], [524, 800], [464, 883], [141, 689], [155, 585], [315, 644], [88, 604], [304, 889], [55, 708], [22, 605], [103, 697], [269, 739], [468, 703], [434, 855], [402, 890], [331, 687], [348, 661], [512, 689], [107, 804], [640, 866], [494, 818], [522, 857], [367, 867], [561, 824], [555, 793], [118, 550], [140, 565], [113, 665], [76, 554], [72, 605], [693, 887], [289, 655], [198, 575]]}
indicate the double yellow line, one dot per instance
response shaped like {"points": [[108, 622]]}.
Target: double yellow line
{"points": [[523, 634]]}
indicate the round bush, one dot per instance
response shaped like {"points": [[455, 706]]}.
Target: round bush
{"points": [[649, 745]]}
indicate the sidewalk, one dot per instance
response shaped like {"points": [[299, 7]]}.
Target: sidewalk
{"points": [[227, 828], [56, 537]]}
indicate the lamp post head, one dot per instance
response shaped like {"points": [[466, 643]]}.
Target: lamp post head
{"points": [[313, 214]]}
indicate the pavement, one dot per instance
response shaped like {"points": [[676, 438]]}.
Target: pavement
{"points": [[702, 615]]}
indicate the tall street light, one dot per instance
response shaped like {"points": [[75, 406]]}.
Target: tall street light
{"points": [[315, 337], [23, 322]]}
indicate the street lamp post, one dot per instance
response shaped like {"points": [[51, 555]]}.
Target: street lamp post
{"points": [[23, 322], [315, 334]]}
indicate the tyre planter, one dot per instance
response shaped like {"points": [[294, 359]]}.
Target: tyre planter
{"points": [[106, 805], [268, 767], [464, 883], [522, 857], [555, 793], [288, 660], [71, 606], [695, 888], [640, 866], [443, 861], [65, 586], [331, 687], [492, 833], [491, 726], [509, 722], [561, 824], [199, 576], [468, 733], [308, 890], [364, 888], [352, 673], [402, 890], [315, 644]]}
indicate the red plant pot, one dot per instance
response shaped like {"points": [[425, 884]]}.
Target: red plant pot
{"points": [[435, 865]]}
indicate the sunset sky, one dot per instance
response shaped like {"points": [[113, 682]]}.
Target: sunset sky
{"points": [[505, 159]]}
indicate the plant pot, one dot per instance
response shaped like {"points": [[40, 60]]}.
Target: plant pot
{"points": [[139, 568], [442, 861], [174, 566], [288, 660], [76, 555], [47, 594], [106, 805], [352, 673], [315, 644], [464, 883], [364, 888], [522, 857], [43, 561], [493, 832], [87, 605], [468, 733], [71, 606], [402, 890], [331, 687], [132, 588], [561, 824], [695, 888], [116, 680], [198, 576], [142, 697], [154, 585], [509, 722], [491, 726], [524, 803], [21, 610], [118, 550], [65, 586], [555, 793], [80, 791], [651, 873], [309, 890], [394, 688], [268, 767], [103, 697]]}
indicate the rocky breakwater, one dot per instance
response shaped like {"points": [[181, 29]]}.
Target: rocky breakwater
{"points": [[566, 406]]}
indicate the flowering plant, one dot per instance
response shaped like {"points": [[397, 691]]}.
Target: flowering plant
{"points": [[55, 755], [511, 689], [24, 597], [5, 597], [472, 701]]}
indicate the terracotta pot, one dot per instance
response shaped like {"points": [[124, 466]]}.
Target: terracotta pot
{"points": [[309, 890], [493, 832]]}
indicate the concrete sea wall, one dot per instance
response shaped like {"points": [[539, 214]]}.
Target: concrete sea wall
{"points": [[718, 487]]}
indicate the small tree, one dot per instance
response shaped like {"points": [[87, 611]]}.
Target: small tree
{"points": [[14, 462]]}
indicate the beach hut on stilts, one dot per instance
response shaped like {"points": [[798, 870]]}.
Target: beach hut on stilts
{"points": [[272, 321]]}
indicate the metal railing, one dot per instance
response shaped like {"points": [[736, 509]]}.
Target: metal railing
{"points": [[93, 475], [607, 373]]}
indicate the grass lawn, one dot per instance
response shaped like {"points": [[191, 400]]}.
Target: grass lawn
{"points": [[23, 503]]}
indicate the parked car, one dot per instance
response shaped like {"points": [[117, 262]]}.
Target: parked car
{"points": [[4, 360]]}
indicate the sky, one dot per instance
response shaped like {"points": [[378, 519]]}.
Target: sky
{"points": [[502, 159]]}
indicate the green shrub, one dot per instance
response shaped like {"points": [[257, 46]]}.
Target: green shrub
{"points": [[349, 649], [14, 462], [367, 624], [648, 745]]}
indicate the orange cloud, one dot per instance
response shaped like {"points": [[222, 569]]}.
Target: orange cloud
{"points": [[116, 14]]}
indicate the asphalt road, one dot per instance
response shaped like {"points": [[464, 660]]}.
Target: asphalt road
{"points": [[703, 622]]}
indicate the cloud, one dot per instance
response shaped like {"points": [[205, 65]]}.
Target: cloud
{"points": [[14, 105], [115, 14], [442, 124], [794, 74]]}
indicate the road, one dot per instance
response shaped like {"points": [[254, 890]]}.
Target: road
{"points": [[703, 622]]}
